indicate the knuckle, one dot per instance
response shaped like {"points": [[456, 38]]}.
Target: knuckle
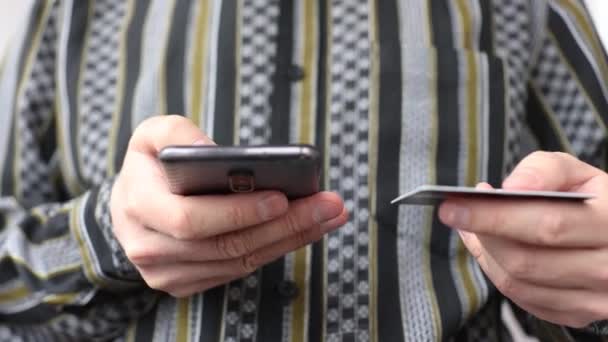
{"points": [[182, 293], [559, 156], [532, 163], [507, 286], [182, 227], [601, 275], [543, 155], [307, 237], [131, 204], [595, 309], [231, 246], [236, 216], [144, 126], [575, 322], [292, 223], [148, 124], [173, 123], [179, 294], [551, 228], [138, 254], [556, 159], [519, 265], [156, 282], [250, 263], [476, 252]]}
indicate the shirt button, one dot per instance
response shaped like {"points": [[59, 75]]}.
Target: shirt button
{"points": [[288, 290], [295, 73]]}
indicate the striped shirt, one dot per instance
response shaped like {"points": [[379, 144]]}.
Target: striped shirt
{"points": [[396, 93]]}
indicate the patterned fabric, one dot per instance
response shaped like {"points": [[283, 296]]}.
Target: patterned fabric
{"points": [[514, 43], [35, 120], [394, 93], [120, 262], [347, 302], [258, 50], [99, 78], [483, 327], [562, 94]]}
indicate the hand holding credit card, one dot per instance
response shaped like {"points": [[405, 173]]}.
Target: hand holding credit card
{"points": [[435, 194]]}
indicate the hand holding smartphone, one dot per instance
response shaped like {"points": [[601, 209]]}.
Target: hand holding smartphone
{"points": [[205, 169]]}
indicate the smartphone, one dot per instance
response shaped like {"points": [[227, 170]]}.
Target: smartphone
{"points": [[435, 194], [195, 170]]}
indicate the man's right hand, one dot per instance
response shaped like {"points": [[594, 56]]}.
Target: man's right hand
{"points": [[187, 244]]}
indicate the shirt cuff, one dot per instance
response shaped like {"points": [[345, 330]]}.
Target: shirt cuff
{"points": [[105, 262]]}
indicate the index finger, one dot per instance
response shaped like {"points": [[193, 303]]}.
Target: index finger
{"points": [[535, 222], [157, 132], [199, 217]]}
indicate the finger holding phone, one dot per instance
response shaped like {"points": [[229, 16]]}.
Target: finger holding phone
{"points": [[549, 257], [187, 244]]}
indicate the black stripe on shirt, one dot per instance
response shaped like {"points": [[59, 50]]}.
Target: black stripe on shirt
{"points": [[486, 39], [443, 36], [6, 185], [270, 306], [315, 300], [537, 118], [448, 147], [223, 130], [281, 95], [213, 302], [144, 331], [77, 38], [497, 117], [9, 270], [569, 47], [94, 232], [37, 231], [389, 134], [39, 314], [132, 61], [175, 58]]}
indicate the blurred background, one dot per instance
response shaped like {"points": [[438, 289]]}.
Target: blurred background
{"points": [[10, 15]]}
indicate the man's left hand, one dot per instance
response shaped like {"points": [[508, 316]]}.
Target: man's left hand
{"points": [[549, 257]]}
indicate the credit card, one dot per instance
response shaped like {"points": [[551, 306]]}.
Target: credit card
{"points": [[435, 194]]}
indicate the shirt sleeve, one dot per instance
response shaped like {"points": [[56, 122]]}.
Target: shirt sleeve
{"points": [[568, 104], [568, 88], [61, 268]]}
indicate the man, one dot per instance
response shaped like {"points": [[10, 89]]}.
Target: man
{"points": [[395, 93]]}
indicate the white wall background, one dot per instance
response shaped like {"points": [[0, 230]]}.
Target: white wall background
{"points": [[599, 11], [10, 15]]}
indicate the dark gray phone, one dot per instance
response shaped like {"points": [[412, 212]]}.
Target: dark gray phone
{"points": [[196, 170]]}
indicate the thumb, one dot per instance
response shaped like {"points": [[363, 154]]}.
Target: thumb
{"points": [[549, 171], [157, 132]]}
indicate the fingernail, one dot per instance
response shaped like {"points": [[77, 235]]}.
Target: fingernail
{"points": [[522, 179], [272, 206], [326, 211], [454, 215]]}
